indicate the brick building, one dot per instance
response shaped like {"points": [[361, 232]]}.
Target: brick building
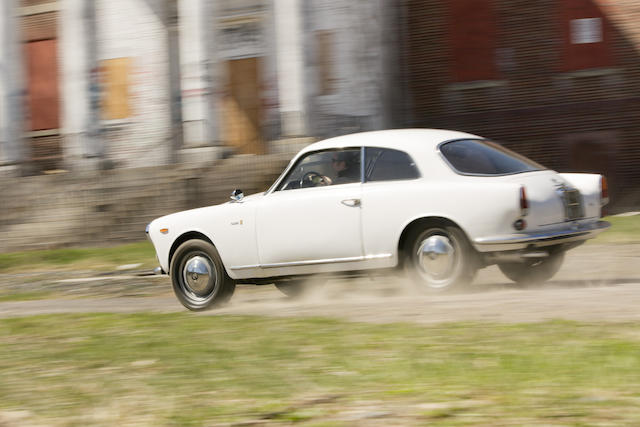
{"points": [[557, 80]]}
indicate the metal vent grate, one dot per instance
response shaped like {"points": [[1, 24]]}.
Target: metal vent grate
{"points": [[573, 207]]}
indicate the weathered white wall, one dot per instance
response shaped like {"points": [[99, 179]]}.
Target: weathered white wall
{"points": [[130, 28], [193, 72], [14, 148], [358, 29], [73, 82], [290, 61]]}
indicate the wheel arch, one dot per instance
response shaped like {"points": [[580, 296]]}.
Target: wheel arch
{"points": [[436, 221], [189, 235]]}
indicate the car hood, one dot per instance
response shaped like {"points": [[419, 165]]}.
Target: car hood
{"points": [[180, 217]]}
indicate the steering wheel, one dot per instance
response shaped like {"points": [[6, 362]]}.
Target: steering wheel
{"points": [[314, 179]]}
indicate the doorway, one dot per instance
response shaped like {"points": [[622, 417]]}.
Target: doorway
{"points": [[242, 107]]}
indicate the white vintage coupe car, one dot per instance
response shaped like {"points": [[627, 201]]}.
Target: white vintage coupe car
{"points": [[434, 204]]}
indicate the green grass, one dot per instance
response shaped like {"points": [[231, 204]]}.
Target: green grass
{"points": [[624, 229], [186, 369], [80, 258], [23, 296]]}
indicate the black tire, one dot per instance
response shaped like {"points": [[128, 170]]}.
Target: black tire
{"points": [[439, 258], [533, 272], [296, 288], [193, 261]]}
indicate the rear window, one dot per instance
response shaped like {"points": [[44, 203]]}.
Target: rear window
{"points": [[479, 157]]}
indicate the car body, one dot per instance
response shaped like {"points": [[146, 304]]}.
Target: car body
{"points": [[437, 204]]}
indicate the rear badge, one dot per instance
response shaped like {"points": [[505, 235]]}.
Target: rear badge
{"points": [[237, 222]]}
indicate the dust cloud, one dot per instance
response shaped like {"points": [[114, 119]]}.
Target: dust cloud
{"points": [[596, 283]]}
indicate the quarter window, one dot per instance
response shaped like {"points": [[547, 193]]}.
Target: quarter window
{"points": [[385, 164]]}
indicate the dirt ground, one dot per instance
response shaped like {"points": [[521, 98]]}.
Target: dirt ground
{"points": [[597, 283]]}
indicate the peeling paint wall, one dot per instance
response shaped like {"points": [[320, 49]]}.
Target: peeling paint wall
{"points": [[356, 30], [131, 29]]}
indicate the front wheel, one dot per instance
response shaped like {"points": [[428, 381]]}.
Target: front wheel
{"points": [[533, 271], [440, 258], [198, 276]]}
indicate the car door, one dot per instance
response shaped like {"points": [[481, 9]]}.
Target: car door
{"points": [[390, 195], [313, 216]]}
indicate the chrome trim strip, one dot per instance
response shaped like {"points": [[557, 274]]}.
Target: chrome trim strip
{"points": [[313, 262], [585, 231], [244, 267], [564, 222]]}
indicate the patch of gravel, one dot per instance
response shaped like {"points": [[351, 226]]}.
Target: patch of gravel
{"points": [[597, 283]]}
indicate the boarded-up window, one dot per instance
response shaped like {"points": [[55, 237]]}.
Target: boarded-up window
{"points": [[42, 96], [586, 36], [473, 40], [115, 88], [324, 43]]}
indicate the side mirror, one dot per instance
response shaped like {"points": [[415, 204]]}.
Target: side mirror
{"points": [[237, 195]]}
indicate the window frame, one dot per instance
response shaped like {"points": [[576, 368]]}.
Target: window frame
{"points": [[492, 144], [275, 188], [367, 173]]}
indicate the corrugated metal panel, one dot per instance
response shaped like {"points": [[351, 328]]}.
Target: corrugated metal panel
{"points": [[579, 56], [26, 3], [46, 152], [42, 26], [536, 108]]}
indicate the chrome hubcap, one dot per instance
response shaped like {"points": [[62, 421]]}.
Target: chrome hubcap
{"points": [[199, 276], [437, 259]]}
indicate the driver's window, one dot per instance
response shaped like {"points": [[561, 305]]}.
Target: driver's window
{"points": [[323, 168]]}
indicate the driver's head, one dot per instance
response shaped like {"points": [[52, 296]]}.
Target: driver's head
{"points": [[341, 160], [338, 162]]}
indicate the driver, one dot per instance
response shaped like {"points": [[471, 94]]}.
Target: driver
{"points": [[347, 166]]}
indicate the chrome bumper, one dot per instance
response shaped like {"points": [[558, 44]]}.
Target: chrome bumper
{"points": [[522, 240]]}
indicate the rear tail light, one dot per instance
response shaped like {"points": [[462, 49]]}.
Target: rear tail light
{"points": [[524, 203], [604, 190], [604, 195]]}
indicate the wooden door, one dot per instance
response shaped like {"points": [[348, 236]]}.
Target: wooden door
{"points": [[43, 99], [242, 107]]}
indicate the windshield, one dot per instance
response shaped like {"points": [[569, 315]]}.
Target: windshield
{"points": [[481, 157]]}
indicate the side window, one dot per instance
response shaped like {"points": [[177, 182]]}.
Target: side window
{"points": [[384, 164], [322, 168]]}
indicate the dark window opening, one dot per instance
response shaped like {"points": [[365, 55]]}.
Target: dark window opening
{"points": [[389, 165], [476, 157]]}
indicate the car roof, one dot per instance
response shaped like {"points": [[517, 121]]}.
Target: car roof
{"points": [[410, 140]]}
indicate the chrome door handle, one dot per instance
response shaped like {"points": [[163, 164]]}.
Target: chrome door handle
{"points": [[352, 203]]}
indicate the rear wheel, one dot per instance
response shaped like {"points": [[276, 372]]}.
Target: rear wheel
{"points": [[198, 276], [533, 272], [439, 258]]}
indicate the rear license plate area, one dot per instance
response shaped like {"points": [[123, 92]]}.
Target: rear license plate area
{"points": [[573, 204]]}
